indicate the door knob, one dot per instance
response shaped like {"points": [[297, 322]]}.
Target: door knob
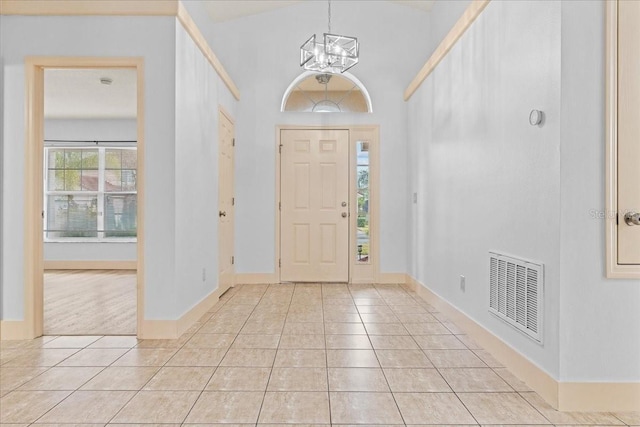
{"points": [[344, 214], [632, 218], [222, 213], [344, 204]]}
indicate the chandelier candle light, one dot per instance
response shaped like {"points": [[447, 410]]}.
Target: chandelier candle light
{"points": [[336, 55]]}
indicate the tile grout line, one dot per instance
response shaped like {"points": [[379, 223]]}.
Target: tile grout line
{"points": [[326, 352]]}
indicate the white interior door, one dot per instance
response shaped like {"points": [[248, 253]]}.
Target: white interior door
{"points": [[226, 202], [314, 196], [628, 131]]}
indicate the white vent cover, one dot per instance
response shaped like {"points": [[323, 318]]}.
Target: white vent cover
{"points": [[516, 293]]}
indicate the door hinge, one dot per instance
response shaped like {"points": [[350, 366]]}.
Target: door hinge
{"points": [[280, 148], [279, 206], [233, 201], [279, 263], [42, 214], [233, 142], [233, 260], [617, 218]]}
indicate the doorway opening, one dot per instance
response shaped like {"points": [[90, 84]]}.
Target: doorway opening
{"points": [[327, 204], [84, 180]]}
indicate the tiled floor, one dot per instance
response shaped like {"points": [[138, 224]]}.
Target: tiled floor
{"points": [[280, 354]]}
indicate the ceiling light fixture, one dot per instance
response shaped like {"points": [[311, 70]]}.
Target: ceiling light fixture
{"points": [[106, 80], [336, 55]]}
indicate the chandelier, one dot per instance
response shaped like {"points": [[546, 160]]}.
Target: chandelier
{"points": [[336, 55]]}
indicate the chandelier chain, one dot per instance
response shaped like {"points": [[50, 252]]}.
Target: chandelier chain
{"points": [[329, 1]]}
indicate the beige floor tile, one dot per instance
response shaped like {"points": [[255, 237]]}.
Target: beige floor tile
{"points": [[403, 359], [334, 317], [469, 342], [374, 309], [66, 425], [416, 318], [432, 408], [557, 417], [210, 341], [58, 378], [334, 302], [239, 379], [511, 379], [197, 357], [474, 380], [439, 342], [41, 357], [144, 425], [329, 307], [180, 378], [357, 379], [94, 357], [115, 342], [71, 342], [214, 326], [302, 342], [361, 408], [630, 418], [487, 358], [88, 407], [121, 378], [226, 407], [453, 328], [298, 379], [352, 359], [256, 357], [309, 317], [344, 329], [157, 407], [368, 301], [258, 327], [145, 357], [501, 408], [379, 318], [427, 329], [28, 406], [454, 359], [393, 342], [299, 328], [416, 380], [409, 309], [12, 378], [386, 329], [301, 359], [256, 341], [163, 343], [348, 342], [295, 407]]}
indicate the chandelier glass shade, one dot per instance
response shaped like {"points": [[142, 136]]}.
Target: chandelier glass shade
{"points": [[336, 53]]}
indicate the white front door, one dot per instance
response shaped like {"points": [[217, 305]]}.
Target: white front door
{"points": [[226, 270], [314, 221]]}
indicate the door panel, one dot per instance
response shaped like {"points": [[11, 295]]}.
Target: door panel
{"points": [[628, 129], [226, 270], [314, 185]]}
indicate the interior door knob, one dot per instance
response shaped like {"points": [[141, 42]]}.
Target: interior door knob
{"points": [[632, 218], [344, 214], [222, 213]]}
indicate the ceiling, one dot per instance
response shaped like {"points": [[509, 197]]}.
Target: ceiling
{"points": [[78, 93], [226, 10]]}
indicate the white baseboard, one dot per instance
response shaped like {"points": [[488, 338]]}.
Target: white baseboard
{"points": [[90, 265], [391, 278], [564, 396]]}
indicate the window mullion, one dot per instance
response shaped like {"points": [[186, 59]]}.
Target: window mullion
{"points": [[101, 167]]}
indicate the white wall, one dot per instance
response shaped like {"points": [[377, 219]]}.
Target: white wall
{"points": [[599, 317], [486, 179], [90, 130], [152, 38], [261, 53], [199, 92]]}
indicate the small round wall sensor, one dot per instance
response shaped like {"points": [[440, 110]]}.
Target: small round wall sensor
{"points": [[536, 117], [106, 80]]}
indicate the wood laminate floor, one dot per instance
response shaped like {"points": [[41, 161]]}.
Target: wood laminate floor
{"points": [[90, 302]]}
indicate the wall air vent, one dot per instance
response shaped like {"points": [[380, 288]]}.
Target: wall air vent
{"points": [[516, 293]]}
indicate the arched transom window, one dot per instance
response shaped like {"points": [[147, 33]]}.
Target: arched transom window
{"points": [[326, 93]]}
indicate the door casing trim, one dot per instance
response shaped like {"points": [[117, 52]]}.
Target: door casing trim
{"points": [[358, 273]]}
